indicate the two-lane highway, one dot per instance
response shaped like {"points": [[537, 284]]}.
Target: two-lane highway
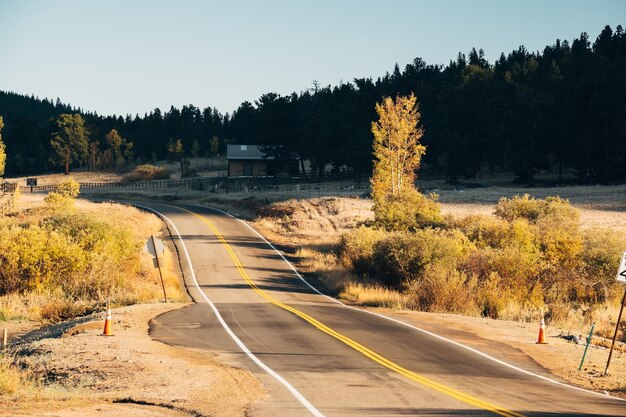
{"points": [[318, 357]]}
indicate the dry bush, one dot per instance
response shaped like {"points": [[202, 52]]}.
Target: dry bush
{"points": [[62, 308], [356, 248], [146, 172], [440, 289], [327, 266], [400, 258]]}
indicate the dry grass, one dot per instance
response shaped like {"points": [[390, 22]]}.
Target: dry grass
{"points": [[16, 384], [374, 296], [600, 206], [340, 281]]}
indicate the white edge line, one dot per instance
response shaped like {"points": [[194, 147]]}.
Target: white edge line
{"points": [[238, 341], [471, 349]]}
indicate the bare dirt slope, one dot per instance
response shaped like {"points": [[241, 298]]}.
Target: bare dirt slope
{"points": [[129, 374]]}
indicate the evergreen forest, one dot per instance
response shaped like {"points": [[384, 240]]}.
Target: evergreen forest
{"points": [[561, 110]]}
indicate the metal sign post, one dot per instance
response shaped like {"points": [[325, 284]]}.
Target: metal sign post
{"points": [[621, 276], [155, 248], [586, 346]]}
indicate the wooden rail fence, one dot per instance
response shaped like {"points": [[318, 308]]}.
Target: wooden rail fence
{"points": [[7, 203]]}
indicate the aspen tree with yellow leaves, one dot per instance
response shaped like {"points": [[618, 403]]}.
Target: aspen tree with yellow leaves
{"points": [[398, 151], [397, 147]]}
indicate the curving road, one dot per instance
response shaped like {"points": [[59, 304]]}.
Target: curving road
{"points": [[318, 357]]}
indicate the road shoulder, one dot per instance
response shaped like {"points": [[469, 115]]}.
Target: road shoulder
{"points": [[85, 373]]}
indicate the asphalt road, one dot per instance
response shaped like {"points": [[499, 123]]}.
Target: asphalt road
{"points": [[318, 357]]}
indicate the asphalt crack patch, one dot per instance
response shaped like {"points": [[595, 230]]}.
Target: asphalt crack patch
{"points": [[129, 400]]}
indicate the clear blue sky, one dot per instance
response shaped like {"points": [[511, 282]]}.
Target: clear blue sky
{"points": [[119, 57]]}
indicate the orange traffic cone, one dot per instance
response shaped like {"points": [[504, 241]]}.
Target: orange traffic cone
{"points": [[107, 323], [542, 329]]}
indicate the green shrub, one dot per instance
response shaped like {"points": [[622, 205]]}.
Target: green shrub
{"points": [[146, 172]]}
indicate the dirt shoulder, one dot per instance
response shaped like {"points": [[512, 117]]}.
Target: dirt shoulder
{"points": [[87, 374]]}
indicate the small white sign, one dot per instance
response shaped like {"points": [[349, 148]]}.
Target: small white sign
{"points": [[621, 272], [152, 250]]}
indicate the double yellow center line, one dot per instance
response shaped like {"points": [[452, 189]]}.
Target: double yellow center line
{"points": [[353, 344]]}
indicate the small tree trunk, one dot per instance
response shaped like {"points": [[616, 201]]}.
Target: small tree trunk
{"points": [[303, 171], [67, 168]]}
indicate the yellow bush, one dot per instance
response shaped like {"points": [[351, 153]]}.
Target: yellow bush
{"points": [[356, 248], [533, 254], [531, 209], [64, 194], [408, 211], [400, 258], [32, 258], [440, 289], [76, 259], [146, 172]]}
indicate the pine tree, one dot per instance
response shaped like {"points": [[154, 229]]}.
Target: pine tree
{"points": [[71, 140]]}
